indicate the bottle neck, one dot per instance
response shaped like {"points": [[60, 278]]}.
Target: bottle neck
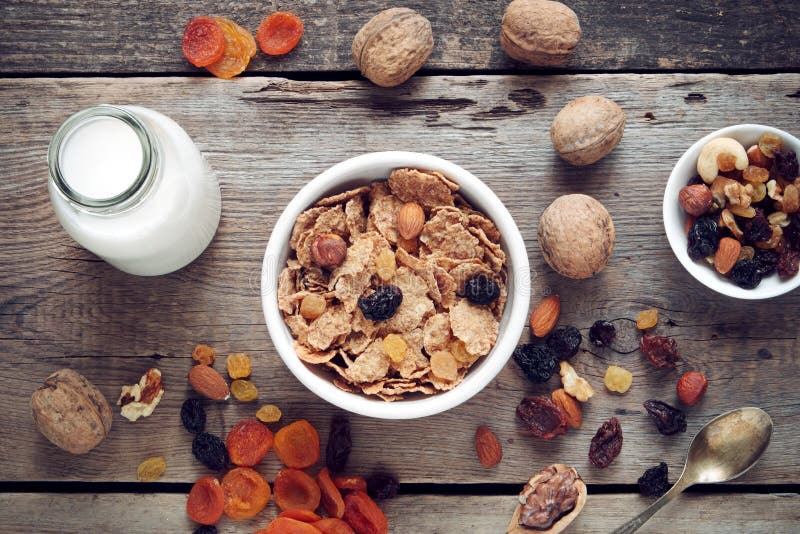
{"points": [[103, 159]]}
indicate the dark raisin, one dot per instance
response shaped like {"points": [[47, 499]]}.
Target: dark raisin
{"points": [[792, 232], [382, 303], [662, 351], [745, 274], [669, 420], [786, 165], [339, 444], [564, 342], [654, 481], [481, 289], [382, 486], [193, 416], [602, 333], [757, 228], [538, 363], [695, 180], [766, 261], [764, 354], [206, 529], [211, 451], [788, 263], [703, 238], [543, 418], [606, 444]]}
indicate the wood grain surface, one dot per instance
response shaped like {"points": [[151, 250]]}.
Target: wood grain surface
{"points": [[407, 514], [60, 306], [134, 36]]}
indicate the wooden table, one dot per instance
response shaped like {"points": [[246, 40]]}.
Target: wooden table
{"points": [[679, 70]]}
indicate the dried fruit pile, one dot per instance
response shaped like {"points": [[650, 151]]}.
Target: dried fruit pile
{"points": [[742, 209], [396, 287]]}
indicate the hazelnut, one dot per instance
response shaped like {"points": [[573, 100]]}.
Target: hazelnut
{"points": [[587, 129], [328, 250], [392, 46], [539, 32], [696, 199], [576, 236]]}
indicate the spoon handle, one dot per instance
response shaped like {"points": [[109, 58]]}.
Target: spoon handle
{"points": [[636, 523]]}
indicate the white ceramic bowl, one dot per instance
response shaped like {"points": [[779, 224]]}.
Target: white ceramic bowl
{"points": [[675, 217], [359, 171]]}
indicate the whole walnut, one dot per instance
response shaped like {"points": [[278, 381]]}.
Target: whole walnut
{"points": [[576, 236], [71, 412], [392, 46], [587, 129], [540, 32]]}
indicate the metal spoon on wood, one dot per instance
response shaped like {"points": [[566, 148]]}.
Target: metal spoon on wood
{"points": [[724, 449]]}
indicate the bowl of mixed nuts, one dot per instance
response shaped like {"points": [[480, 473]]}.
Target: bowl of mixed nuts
{"points": [[395, 285], [732, 211]]}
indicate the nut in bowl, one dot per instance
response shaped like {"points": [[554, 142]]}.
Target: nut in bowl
{"points": [[730, 215], [392, 309]]}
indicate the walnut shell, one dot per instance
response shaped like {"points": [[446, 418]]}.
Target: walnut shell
{"points": [[539, 32], [576, 236], [71, 412], [515, 528], [392, 46], [587, 129]]}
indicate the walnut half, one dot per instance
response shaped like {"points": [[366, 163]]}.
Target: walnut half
{"points": [[549, 502]]}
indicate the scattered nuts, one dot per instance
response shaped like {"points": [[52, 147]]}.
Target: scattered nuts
{"points": [[718, 187], [774, 190], [726, 219], [695, 199], [691, 387], [576, 236], [720, 154], [209, 383], [549, 502], [748, 212], [727, 254], [488, 447], [778, 218], [539, 32], [587, 129], [410, 220], [139, 400], [575, 385], [545, 316], [392, 46], [328, 250], [569, 406]]}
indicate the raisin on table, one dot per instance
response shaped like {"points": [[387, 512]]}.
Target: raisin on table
{"points": [[382, 303], [340, 443], [538, 363], [662, 351], [564, 342], [703, 238], [193, 416], [669, 420], [654, 481], [382, 486], [481, 289], [602, 333], [606, 444], [205, 529], [543, 418], [211, 451]]}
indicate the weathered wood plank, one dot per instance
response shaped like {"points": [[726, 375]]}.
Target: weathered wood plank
{"points": [[133, 36], [59, 306], [407, 514]]}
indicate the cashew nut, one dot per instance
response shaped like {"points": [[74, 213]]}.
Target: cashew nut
{"points": [[720, 154]]}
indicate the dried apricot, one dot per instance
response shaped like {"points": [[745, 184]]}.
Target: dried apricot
{"points": [[206, 501], [331, 496], [151, 469], [363, 515], [248, 442], [269, 413], [647, 319], [246, 493], [279, 33], [238, 365], [306, 516], [332, 525], [395, 347], [286, 525], [239, 48], [204, 354], [350, 484], [297, 444], [244, 390], [295, 490], [203, 42]]}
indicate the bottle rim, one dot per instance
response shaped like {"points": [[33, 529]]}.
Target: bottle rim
{"points": [[78, 119]]}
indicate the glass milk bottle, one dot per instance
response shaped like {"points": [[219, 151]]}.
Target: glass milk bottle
{"points": [[128, 184]]}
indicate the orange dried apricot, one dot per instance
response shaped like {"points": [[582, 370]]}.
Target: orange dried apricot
{"points": [[279, 33], [248, 441], [363, 515], [286, 525], [331, 496], [297, 444], [306, 516], [204, 354], [239, 48], [333, 525], [206, 501], [203, 43], [246, 493], [350, 484], [295, 490]]}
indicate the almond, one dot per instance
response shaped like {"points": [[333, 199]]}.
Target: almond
{"points": [[545, 316], [727, 254], [410, 220], [490, 452], [569, 406], [209, 383]]}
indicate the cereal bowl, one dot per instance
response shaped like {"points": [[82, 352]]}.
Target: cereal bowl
{"points": [[675, 217], [363, 170]]}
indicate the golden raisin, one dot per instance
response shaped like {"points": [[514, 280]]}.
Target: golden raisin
{"points": [[269, 413], [647, 319], [385, 264], [459, 351], [204, 354], [755, 174], [244, 390], [395, 347], [312, 306], [769, 143], [617, 379], [444, 365], [151, 469], [238, 365]]}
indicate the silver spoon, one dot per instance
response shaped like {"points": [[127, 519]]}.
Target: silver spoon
{"points": [[724, 449]]}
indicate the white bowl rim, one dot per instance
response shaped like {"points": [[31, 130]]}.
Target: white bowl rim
{"points": [[516, 305], [673, 226]]}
